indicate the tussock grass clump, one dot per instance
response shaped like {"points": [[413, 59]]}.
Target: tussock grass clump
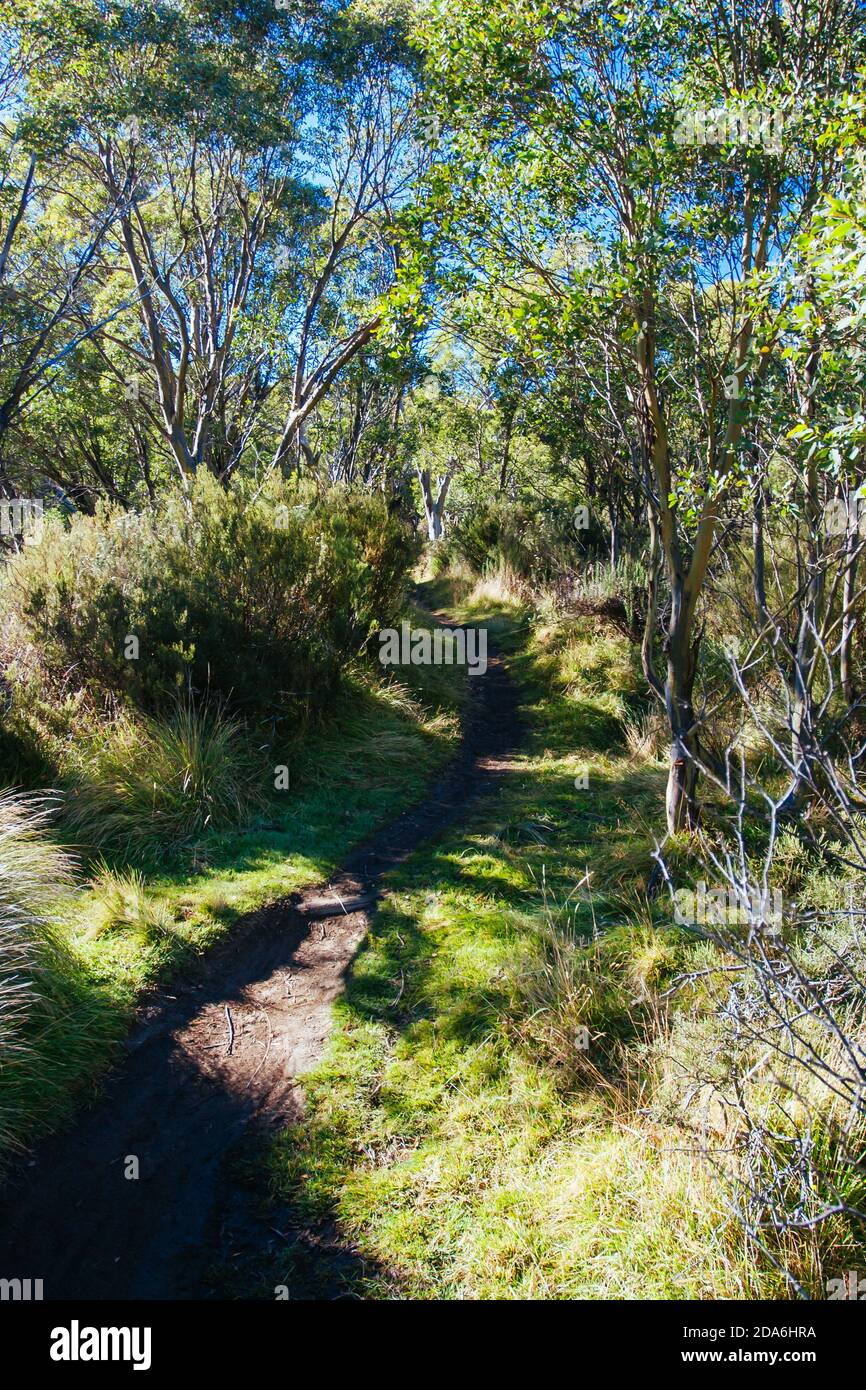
{"points": [[570, 1001], [34, 875], [149, 784], [122, 901], [588, 1002], [647, 735]]}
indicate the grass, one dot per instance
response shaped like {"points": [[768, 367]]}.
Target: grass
{"points": [[135, 925], [34, 965], [491, 1118], [146, 784], [502, 1110], [457, 1137], [123, 903]]}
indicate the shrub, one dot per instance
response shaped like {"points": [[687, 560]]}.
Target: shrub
{"points": [[533, 547], [258, 597]]}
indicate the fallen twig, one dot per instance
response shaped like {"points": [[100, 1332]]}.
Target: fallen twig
{"points": [[267, 1049]]}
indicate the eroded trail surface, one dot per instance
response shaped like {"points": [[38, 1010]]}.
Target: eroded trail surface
{"points": [[209, 1065]]}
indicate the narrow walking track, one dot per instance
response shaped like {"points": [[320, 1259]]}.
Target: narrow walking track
{"points": [[218, 1062]]}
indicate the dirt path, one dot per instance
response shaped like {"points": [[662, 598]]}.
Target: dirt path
{"points": [[215, 1063]]}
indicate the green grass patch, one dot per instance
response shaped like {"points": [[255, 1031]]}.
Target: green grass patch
{"points": [[131, 926], [456, 1136]]}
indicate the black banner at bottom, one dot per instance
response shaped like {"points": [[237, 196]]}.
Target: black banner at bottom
{"points": [[247, 1340]]}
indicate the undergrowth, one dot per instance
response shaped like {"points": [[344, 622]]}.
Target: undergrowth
{"points": [[489, 1121], [181, 831]]}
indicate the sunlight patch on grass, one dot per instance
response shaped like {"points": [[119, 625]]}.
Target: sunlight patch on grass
{"points": [[449, 1132], [131, 928]]}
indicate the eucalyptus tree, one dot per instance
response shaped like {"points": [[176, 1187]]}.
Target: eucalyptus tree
{"points": [[181, 119], [659, 135], [51, 237], [253, 159], [808, 531], [364, 155]]}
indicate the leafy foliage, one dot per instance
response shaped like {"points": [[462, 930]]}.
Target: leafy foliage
{"points": [[257, 598]]}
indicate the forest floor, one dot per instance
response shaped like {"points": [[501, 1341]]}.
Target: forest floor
{"points": [[372, 1087], [483, 1122], [136, 1199]]}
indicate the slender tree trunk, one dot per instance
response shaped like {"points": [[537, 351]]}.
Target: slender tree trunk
{"points": [[849, 617], [685, 584], [613, 513], [803, 664], [759, 573], [506, 452], [434, 501], [681, 800]]}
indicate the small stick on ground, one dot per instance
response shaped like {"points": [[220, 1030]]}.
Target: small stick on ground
{"points": [[267, 1049], [231, 1028]]}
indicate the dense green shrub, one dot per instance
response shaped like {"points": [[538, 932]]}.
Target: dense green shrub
{"points": [[257, 598], [536, 546]]}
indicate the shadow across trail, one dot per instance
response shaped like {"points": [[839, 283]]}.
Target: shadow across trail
{"points": [[130, 1202]]}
